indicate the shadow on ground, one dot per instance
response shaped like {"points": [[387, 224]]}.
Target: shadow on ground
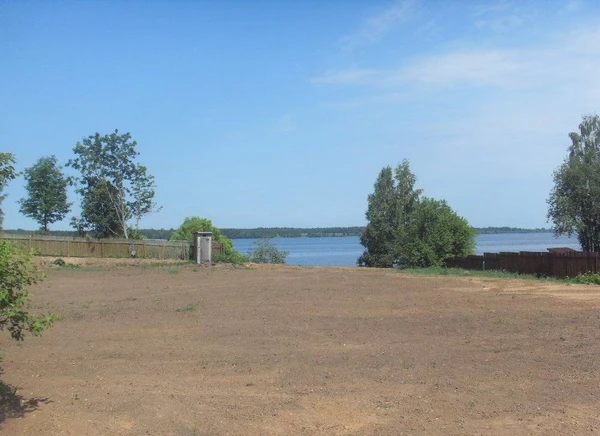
{"points": [[13, 405]]}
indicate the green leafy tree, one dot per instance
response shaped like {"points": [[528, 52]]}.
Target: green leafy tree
{"points": [[388, 213], [110, 173], [379, 236], [574, 202], [404, 230], [7, 173], [98, 217], [47, 189], [263, 251], [17, 273], [190, 225], [433, 234]]}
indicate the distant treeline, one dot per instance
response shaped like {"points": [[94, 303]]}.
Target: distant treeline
{"points": [[291, 232], [494, 230], [280, 232]]}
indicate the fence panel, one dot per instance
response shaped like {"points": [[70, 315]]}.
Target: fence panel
{"points": [[551, 264], [118, 248]]}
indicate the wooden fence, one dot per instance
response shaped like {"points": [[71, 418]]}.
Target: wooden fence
{"points": [[117, 248], [557, 264]]}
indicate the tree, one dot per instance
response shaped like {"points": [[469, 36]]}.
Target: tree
{"points": [[7, 173], [379, 236], [574, 202], [388, 212], [47, 188], [433, 234], [265, 252], [190, 225], [110, 173], [98, 216], [405, 230]]}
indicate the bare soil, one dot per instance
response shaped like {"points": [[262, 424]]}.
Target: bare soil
{"points": [[186, 350]]}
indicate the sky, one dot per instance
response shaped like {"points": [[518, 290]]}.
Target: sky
{"points": [[272, 113]]}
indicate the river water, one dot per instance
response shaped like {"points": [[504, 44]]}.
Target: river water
{"points": [[345, 251]]}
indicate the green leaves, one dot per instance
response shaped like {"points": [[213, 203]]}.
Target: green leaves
{"points": [[574, 202], [265, 252], [114, 187], [47, 188], [408, 231], [7, 173], [17, 273], [194, 224]]}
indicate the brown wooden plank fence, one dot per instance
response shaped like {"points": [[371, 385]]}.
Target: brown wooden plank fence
{"points": [[117, 248], [557, 264]]}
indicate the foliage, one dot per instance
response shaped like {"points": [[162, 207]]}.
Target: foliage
{"points": [[460, 272], [190, 225], [292, 232], [265, 252], [379, 236], [98, 217], [17, 273], [187, 308], [7, 173], [112, 184], [233, 257], [405, 230], [389, 211], [434, 233], [574, 202], [136, 234], [47, 189], [587, 279]]}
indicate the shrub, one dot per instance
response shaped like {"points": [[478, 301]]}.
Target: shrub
{"points": [[233, 257], [59, 262], [265, 252], [17, 273], [588, 279], [191, 225]]}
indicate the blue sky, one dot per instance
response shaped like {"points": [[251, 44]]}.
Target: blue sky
{"points": [[282, 113]]}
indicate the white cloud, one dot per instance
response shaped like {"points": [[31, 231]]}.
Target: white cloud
{"points": [[570, 60], [375, 27]]}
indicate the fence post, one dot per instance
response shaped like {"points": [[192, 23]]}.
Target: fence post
{"points": [[101, 248], [68, 248]]}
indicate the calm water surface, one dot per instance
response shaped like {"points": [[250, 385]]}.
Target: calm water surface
{"points": [[345, 251]]}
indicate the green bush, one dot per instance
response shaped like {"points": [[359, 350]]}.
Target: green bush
{"points": [[17, 273], [233, 257], [265, 252], [190, 225], [588, 279]]}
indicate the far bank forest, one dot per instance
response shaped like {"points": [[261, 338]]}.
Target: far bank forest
{"points": [[286, 232]]}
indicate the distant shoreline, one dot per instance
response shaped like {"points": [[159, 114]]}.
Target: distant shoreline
{"points": [[285, 232]]}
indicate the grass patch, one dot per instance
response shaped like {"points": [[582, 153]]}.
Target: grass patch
{"points": [[187, 308], [459, 272]]}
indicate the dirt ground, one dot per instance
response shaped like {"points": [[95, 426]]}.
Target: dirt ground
{"points": [[187, 350]]}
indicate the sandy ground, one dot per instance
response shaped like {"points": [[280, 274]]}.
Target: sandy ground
{"points": [[186, 350]]}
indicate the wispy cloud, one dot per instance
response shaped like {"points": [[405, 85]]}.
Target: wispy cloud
{"points": [[377, 26], [500, 16], [570, 59]]}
